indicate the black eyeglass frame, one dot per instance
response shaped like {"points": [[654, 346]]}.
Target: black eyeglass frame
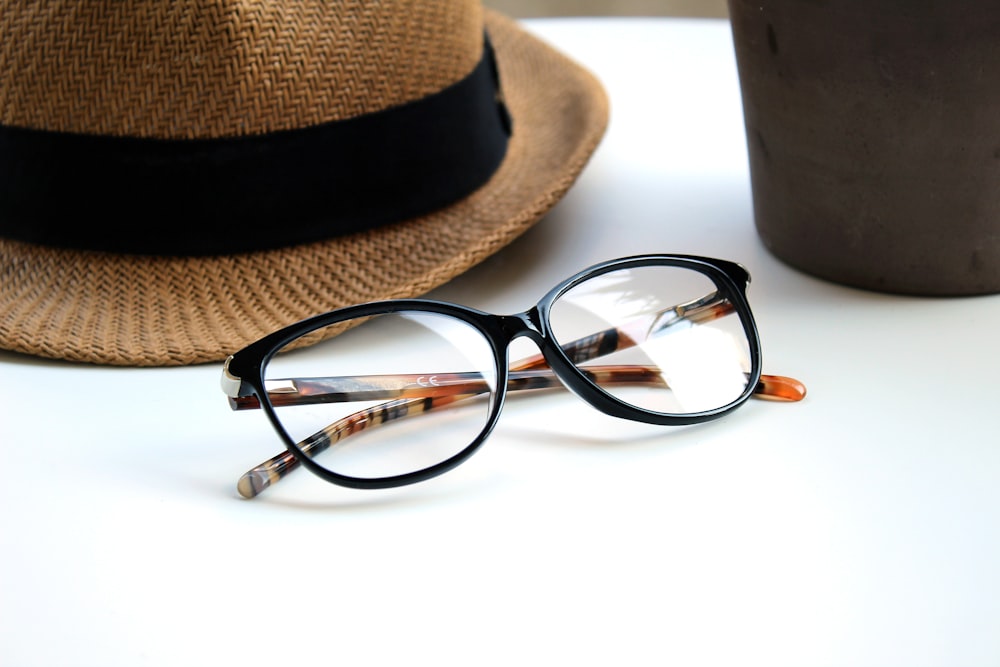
{"points": [[731, 280]]}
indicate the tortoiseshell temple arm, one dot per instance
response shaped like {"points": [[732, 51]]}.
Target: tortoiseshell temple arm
{"points": [[311, 391], [415, 394], [425, 397]]}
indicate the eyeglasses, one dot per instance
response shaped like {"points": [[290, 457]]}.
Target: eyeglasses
{"points": [[395, 392]]}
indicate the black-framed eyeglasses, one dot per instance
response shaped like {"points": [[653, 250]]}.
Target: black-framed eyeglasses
{"points": [[397, 392]]}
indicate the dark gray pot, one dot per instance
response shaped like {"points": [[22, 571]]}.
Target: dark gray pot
{"points": [[873, 131]]}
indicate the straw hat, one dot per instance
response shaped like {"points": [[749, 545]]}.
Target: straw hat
{"points": [[178, 179]]}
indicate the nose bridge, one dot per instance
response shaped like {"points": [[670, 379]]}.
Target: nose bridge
{"points": [[525, 324]]}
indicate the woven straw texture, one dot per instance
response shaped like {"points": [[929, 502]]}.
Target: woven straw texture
{"points": [[224, 67], [155, 311]]}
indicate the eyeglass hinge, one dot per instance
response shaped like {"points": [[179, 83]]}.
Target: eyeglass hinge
{"points": [[230, 383]]}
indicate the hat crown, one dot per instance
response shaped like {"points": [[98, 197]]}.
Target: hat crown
{"points": [[217, 68]]}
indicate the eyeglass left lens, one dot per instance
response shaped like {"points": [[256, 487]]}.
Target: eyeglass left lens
{"points": [[396, 393]]}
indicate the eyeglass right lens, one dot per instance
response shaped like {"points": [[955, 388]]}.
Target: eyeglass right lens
{"points": [[658, 338], [394, 394]]}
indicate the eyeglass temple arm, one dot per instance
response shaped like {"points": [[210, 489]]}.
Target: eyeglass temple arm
{"points": [[312, 391], [452, 387], [431, 391]]}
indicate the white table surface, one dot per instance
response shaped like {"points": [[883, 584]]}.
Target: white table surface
{"points": [[859, 527]]}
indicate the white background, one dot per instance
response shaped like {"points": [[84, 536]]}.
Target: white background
{"points": [[859, 527]]}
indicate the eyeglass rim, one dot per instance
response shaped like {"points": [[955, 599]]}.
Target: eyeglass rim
{"points": [[727, 275], [250, 363]]}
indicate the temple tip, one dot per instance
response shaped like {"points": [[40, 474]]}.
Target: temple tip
{"points": [[252, 483], [780, 388]]}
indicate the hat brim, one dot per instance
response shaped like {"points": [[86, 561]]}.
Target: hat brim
{"points": [[163, 311]]}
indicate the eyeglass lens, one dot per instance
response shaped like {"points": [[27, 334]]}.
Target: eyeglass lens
{"points": [[348, 400]]}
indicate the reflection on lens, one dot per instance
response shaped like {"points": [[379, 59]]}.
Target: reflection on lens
{"points": [[395, 394], [659, 338]]}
